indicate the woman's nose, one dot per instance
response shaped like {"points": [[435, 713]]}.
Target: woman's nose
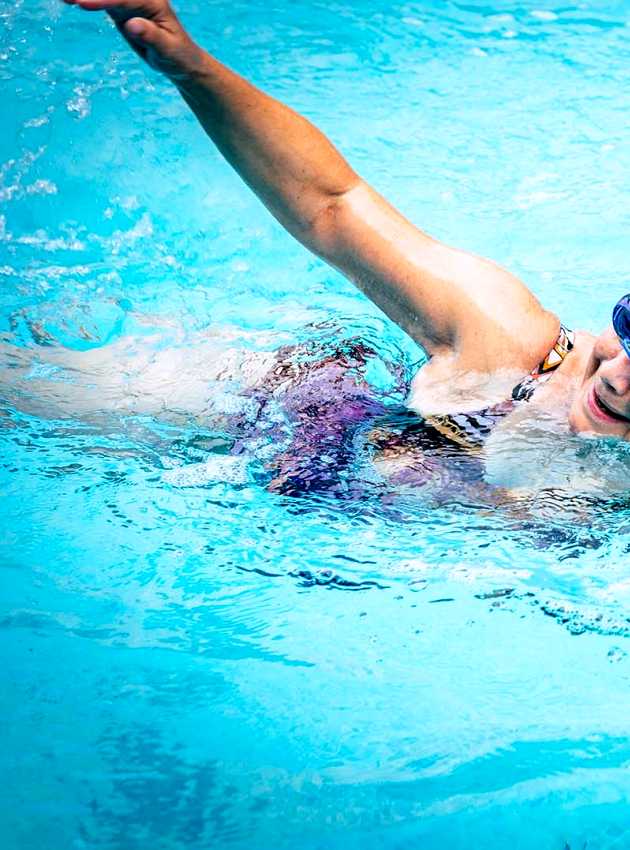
{"points": [[616, 374]]}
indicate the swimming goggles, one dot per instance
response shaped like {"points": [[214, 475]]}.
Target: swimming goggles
{"points": [[621, 322]]}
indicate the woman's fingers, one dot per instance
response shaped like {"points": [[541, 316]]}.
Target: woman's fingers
{"points": [[137, 27], [127, 5], [122, 11], [156, 10], [150, 27]]}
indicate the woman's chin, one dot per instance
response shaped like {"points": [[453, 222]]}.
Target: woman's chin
{"points": [[579, 423], [583, 426]]}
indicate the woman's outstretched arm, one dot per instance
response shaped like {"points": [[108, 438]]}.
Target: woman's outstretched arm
{"points": [[450, 302]]}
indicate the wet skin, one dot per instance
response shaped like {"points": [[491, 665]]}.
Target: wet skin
{"points": [[471, 317], [601, 404]]}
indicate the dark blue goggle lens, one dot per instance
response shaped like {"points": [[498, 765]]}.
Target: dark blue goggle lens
{"points": [[621, 322]]}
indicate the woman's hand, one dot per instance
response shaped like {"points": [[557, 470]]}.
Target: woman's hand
{"points": [[153, 31]]}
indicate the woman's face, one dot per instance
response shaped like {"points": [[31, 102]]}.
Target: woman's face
{"points": [[602, 403]]}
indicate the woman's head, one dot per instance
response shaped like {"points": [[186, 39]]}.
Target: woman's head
{"points": [[602, 403]]}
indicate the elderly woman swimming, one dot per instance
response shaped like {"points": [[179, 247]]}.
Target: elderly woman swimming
{"points": [[492, 348]]}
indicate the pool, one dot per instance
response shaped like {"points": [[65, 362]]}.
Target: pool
{"points": [[192, 660]]}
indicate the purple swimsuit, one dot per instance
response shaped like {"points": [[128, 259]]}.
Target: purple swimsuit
{"points": [[332, 418]]}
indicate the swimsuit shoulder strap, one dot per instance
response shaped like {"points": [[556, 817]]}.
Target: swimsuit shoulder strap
{"points": [[524, 390], [471, 429]]}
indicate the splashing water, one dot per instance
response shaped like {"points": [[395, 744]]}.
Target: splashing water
{"points": [[180, 667]]}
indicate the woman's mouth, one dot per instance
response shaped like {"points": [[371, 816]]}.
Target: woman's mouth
{"points": [[600, 410]]}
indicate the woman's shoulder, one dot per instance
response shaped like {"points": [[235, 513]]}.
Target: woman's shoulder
{"points": [[447, 385], [478, 374]]}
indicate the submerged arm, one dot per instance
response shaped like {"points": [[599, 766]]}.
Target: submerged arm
{"points": [[448, 301]]}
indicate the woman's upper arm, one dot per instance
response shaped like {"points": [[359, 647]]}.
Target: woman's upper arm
{"points": [[447, 300]]}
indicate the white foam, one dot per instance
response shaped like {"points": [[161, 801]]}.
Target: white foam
{"points": [[218, 468], [544, 15]]}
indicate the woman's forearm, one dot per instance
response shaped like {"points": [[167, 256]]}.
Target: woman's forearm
{"points": [[289, 163]]}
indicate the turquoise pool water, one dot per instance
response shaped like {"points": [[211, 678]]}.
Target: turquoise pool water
{"points": [[193, 661]]}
